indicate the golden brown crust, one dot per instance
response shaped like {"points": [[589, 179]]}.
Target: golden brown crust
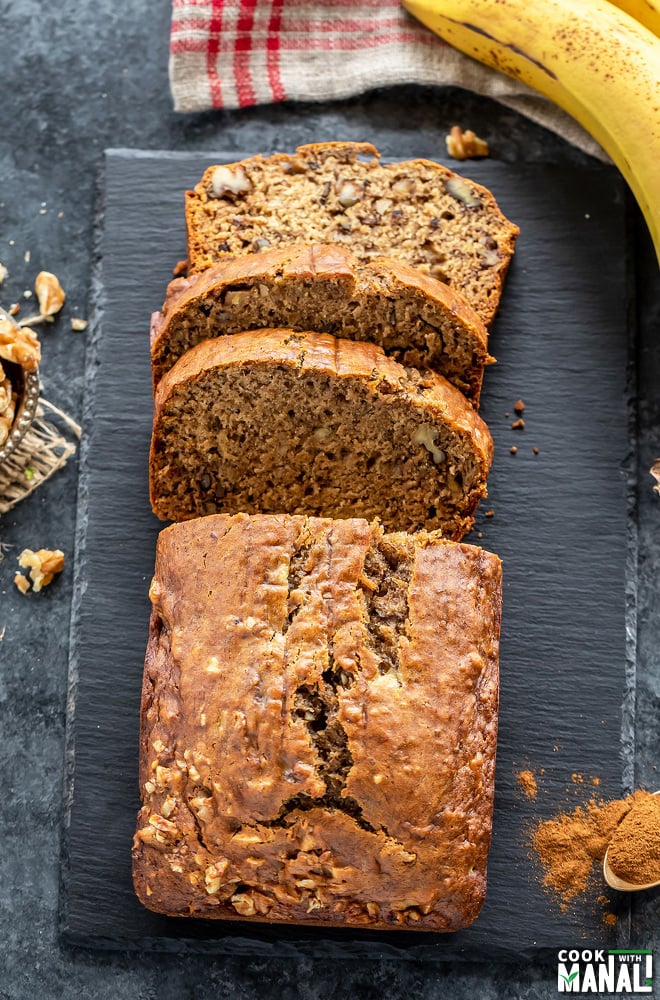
{"points": [[319, 723], [425, 406], [415, 318], [418, 212]]}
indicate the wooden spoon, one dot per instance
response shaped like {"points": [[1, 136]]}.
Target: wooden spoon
{"points": [[619, 883]]}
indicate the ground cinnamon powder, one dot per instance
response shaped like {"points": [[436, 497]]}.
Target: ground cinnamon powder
{"points": [[527, 782], [570, 844], [634, 853]]}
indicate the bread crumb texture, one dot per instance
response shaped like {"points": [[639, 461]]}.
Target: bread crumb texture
{"points": [[305, 423], [418, 212], [319, 720], [415, 319]]}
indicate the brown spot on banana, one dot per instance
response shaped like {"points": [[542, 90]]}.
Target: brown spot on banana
{"points": [[506, 45]]}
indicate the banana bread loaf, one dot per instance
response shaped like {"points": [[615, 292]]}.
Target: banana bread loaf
{"points": [[414, 318], [418, 212], [302, 423], [319, 718]]}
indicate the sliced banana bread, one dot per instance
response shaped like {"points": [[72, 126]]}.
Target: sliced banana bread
{"points": [[273, 421], [414, 318], [418, 212]]}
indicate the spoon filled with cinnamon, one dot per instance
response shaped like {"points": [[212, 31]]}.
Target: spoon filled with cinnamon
{"points": [[632, 860]]}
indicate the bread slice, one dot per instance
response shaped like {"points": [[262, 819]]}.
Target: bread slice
{"points": [[417, 320], [273, 421], [417, 212], [318, 724]]}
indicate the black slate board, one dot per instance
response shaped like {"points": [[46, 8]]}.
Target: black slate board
{"points": [[560, 523]]}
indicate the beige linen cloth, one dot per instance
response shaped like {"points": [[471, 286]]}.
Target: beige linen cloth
{"points": [[237, 53]]}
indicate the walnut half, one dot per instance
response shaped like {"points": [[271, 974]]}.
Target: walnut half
{"points": [[465, 145], [20, 345], [43, 566]]}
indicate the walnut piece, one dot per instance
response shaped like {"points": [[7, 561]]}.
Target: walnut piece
{"points": [[20, 345], [49, 293], [465, 145], [225, 181], [43, 566], [78, 324], [655, 472], [7, 406]]}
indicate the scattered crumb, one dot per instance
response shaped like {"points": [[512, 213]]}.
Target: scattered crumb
{"points": [[506, 413], [490, 513], [22, 583], [527, 782], [595, 781], [577, 779], [27, 294], [42, 211], [480, 534], [2, 632], [465, 145], [14, 309], [518, 425], [3, 273], [26, 256], [60, 215], [513, 449], [78, 324], [609, 919], [519, 406], [535, 450]]}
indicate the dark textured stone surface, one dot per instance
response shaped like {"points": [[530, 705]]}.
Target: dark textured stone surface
{"points": [[78, 78]]}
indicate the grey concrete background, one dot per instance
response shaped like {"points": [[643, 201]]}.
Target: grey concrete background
{"points": [[75, 79]]}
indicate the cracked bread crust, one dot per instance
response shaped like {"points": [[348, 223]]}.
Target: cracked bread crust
{"points": [[318, 725], [302, 423], [416, 319], [418, 212]]}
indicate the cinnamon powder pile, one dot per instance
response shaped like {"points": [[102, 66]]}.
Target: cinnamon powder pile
{"points": [[527, 782], [634, 853], [570, 844]]}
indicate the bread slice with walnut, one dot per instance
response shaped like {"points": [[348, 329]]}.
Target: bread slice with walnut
{"points": [[417, 212], [416, 320], [273, 421]]}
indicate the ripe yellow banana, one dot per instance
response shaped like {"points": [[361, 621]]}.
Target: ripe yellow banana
{"points": [[592, 59], [647, 12]]}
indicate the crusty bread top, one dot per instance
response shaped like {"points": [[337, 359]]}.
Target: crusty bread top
{"points": [[319, 721], [418, 212]]}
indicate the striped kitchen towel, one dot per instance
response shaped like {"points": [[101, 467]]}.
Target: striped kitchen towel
{"points": [[236, 53]]}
